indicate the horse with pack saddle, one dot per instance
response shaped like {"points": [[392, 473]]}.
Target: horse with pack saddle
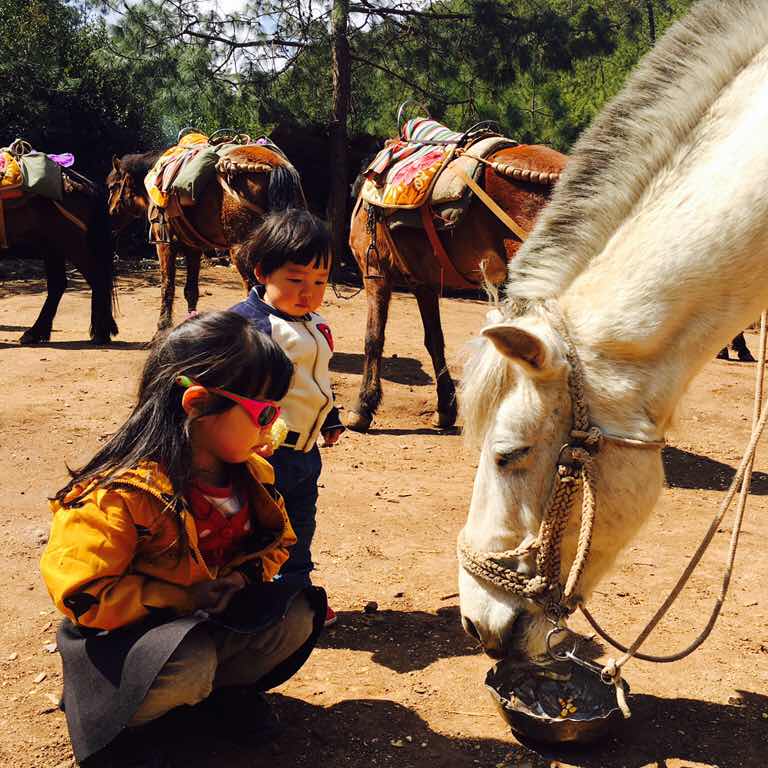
{"points": [[49, 209], [440, 210], [203, 194]]}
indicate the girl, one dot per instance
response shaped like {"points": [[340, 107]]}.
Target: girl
{"points": [[163, 546]]}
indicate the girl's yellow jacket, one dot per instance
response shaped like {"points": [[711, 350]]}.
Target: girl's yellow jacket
{"points": [[117, 553]]}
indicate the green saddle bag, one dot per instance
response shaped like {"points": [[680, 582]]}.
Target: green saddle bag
{"points": [[195, 176], [41, 176]]}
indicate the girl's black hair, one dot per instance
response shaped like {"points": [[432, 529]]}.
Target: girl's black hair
{"points": [[292, 235], [216, 349]]}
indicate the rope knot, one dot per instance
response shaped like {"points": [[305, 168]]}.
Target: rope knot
{"points": [[590, 437], [611, 675]]}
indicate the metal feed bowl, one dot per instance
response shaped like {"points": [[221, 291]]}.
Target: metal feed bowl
{"points": [[555, 703]]}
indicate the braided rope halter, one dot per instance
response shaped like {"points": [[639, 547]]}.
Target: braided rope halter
{"points": [[575, 468], [574, 471]]}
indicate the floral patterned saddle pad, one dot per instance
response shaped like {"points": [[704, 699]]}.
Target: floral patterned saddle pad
{"points": [[403, 173]]}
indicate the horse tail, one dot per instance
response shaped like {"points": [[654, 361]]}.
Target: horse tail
{"points": [[99, 240], [284, 190]]}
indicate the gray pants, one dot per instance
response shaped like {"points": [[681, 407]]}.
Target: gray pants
{"points": [[212, 657]]}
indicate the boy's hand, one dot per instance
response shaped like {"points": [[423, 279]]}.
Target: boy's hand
{"points": [[331, 437], [214, 596]]}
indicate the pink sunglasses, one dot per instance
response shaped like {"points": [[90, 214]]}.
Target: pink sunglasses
{"points": [[263, 413]]}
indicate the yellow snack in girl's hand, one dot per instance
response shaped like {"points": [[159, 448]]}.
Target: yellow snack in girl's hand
{"points": [[278, 433]]}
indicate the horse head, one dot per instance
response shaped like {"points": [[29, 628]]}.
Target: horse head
{"points": [[520, 408], [127, 199]]}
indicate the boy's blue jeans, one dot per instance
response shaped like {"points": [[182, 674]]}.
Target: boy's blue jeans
{"points": [[296, 476]]}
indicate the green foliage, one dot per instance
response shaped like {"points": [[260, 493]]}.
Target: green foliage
{"points": [[58, 90], [541, 69]]}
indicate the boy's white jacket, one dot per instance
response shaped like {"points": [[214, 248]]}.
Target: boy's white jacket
{"points": [[308, 407]]}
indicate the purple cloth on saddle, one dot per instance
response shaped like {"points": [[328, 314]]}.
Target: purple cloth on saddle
{"points": [[65, 160]]}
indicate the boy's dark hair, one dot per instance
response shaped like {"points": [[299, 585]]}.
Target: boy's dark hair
{"points": [[217, 349], [293, 235]]}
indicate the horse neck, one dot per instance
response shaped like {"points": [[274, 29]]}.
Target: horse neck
{"points": [[684, 272]]}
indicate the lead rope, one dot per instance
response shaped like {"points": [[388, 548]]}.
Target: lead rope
{"points": [[611, 672]]}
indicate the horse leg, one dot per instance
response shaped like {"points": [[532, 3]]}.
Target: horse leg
{"points": [[739, 346], [378, 291], [192, 284], [166, 253], [429, 307], [56, 279]]}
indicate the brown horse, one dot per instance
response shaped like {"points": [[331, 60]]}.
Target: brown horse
{"points": [[252, 180], [479, 243], [74, 230]]}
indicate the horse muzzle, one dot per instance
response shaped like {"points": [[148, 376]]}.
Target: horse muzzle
{"points": [[500, 640]]}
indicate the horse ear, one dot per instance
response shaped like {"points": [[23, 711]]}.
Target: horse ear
{"points": [[116, 162], [518, 344]]}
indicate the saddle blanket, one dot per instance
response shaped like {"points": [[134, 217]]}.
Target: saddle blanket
{"points": [[32, 172], [159, 180], [187, 168], [10, 175], [402, 174], [447, 186]]}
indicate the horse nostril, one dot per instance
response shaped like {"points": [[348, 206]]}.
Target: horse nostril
{"points": [[470, 628]]}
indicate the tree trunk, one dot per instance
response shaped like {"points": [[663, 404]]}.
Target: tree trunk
{"points": [[339, 182], [651, 21]]}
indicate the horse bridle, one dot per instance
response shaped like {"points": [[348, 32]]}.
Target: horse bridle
{"points": [[120, 203], [574, 470]]}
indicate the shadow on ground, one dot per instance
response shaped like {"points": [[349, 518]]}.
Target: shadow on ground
{"points": [[379, 732], [400, 370], [359, 733], [402, 640], [115, 346], [690, 470], [701, 733]]}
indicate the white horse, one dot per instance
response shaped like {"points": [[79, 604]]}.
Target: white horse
{"points": [[650, 256]]}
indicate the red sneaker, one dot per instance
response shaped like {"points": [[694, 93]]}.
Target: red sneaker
{"points": [[330, 617]]}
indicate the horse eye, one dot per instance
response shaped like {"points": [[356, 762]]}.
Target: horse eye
{"points": [[510, 458]]}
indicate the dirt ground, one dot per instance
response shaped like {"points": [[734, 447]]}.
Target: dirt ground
{"points": [[402, 686]]}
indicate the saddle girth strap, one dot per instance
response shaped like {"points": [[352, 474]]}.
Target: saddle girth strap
{"points": [[79, 223], [186, 232], [447, 268], [492, 205]]}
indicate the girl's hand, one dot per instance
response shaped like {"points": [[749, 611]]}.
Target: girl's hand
{"points": [[214, 596], [265, 451], [331, 437]]}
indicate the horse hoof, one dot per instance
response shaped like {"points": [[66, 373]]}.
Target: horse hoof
{"points": [[101, 341], [33, 337], [358, 422], [723, 355], [746, 358], [443, 420]]}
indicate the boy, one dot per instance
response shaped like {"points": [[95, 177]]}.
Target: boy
{"points": [[290, 255]]}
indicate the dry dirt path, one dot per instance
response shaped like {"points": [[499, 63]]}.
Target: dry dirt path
{"points": [[402, 686]]}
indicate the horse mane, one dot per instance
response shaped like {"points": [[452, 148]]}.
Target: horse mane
{"points": [[138, 165], [633, 138], [486, 379]]}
